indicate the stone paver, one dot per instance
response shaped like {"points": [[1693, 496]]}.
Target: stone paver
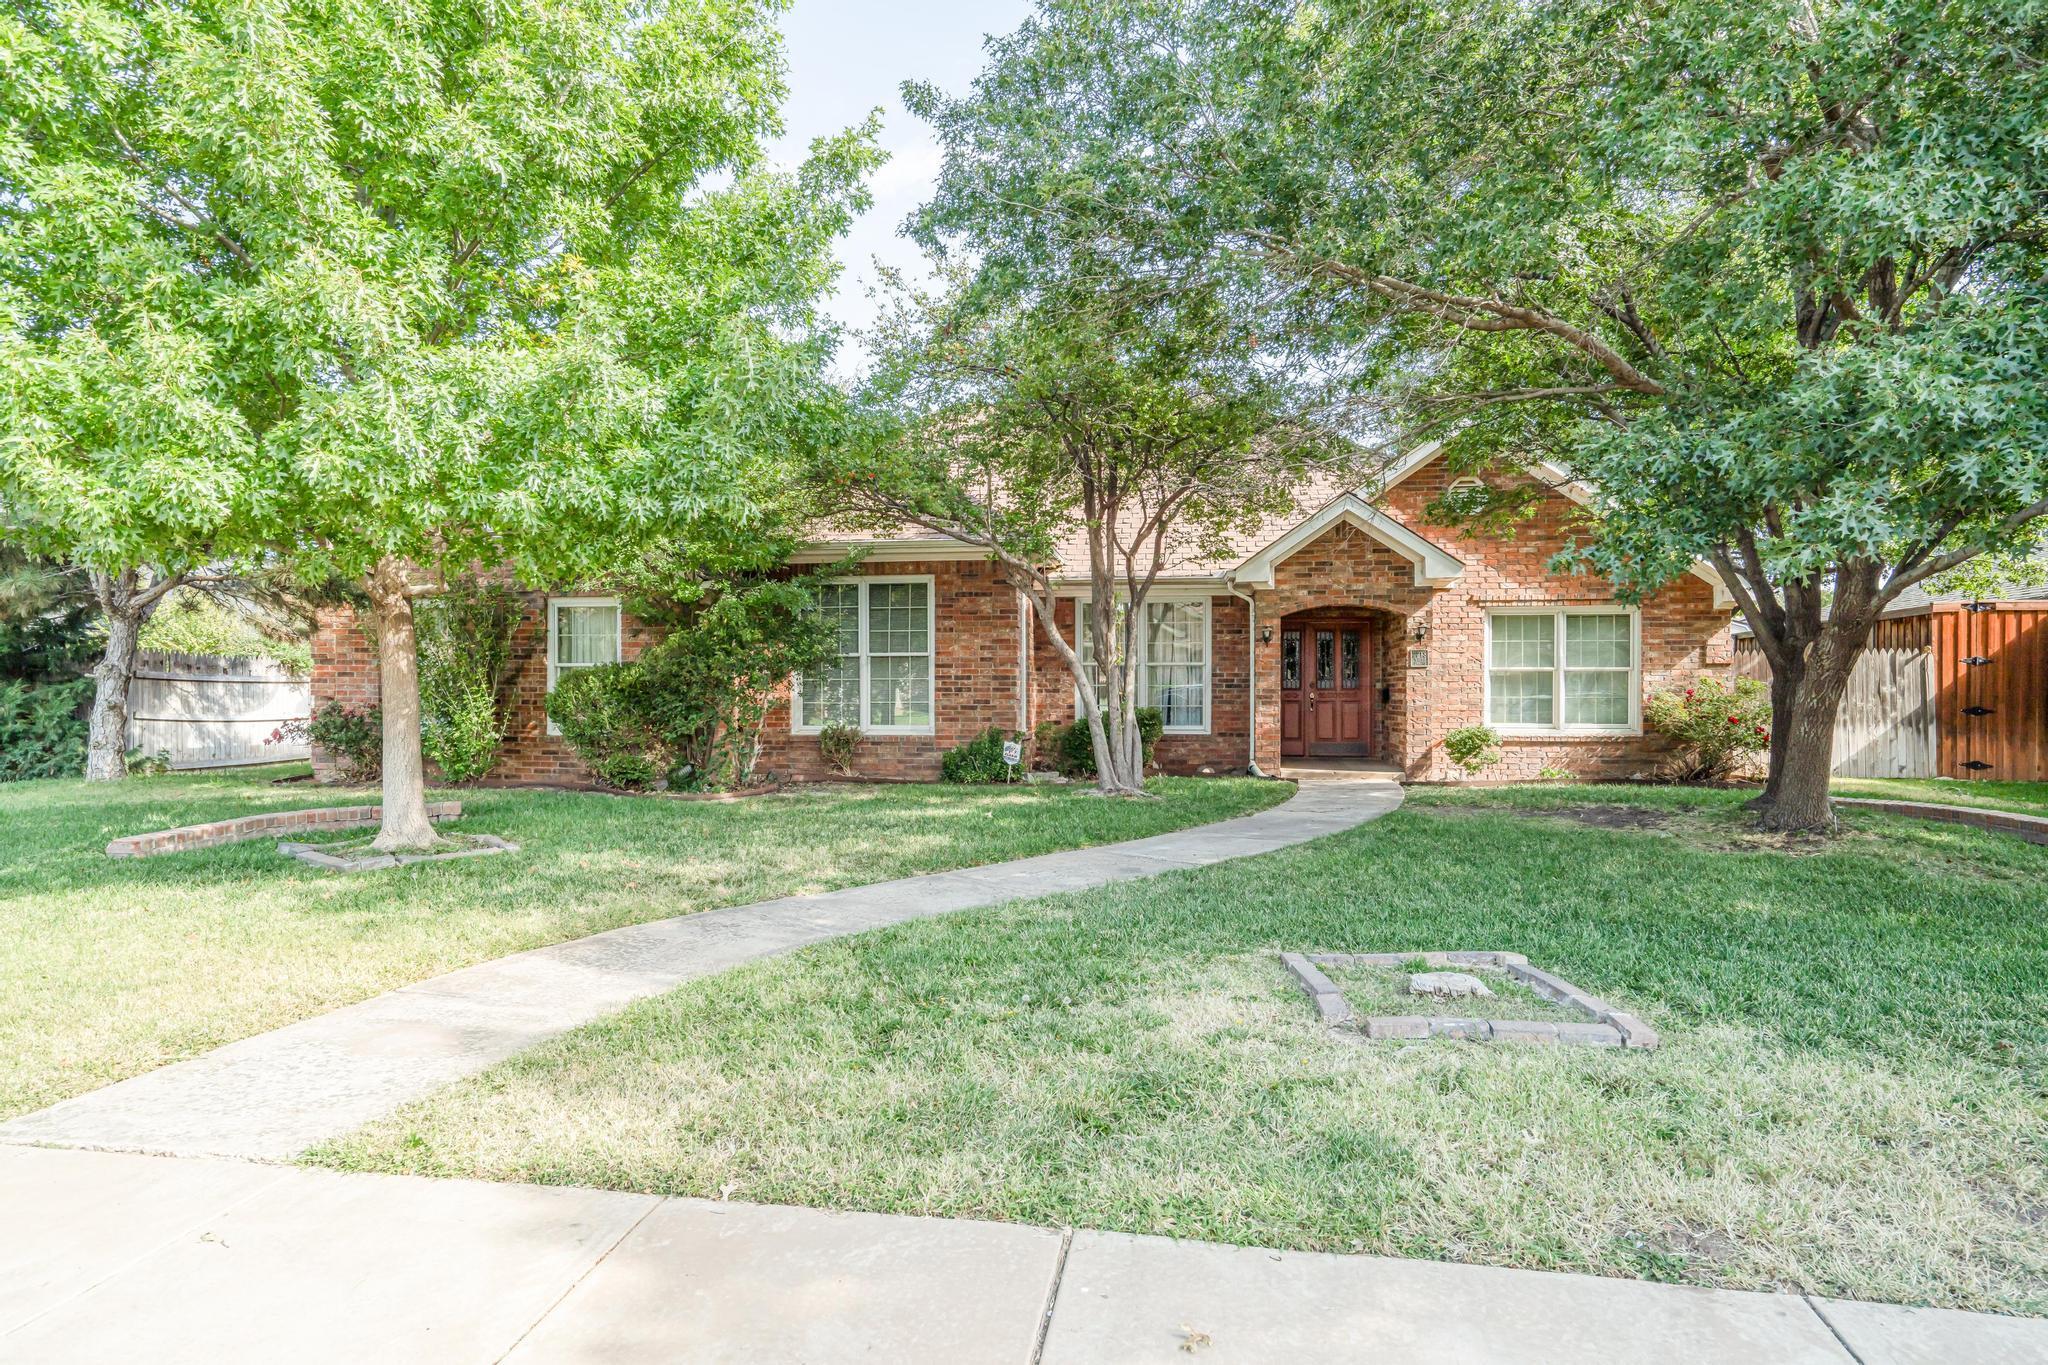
{"points": [[113, 1257], [1125, 1300], [274, 1095]]}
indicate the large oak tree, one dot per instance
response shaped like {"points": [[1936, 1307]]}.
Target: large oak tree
{"points": [[1771, 276], [383, 290]]}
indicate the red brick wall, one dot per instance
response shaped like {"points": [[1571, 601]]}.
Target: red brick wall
{"points": [[1224, 749], [345, 671], [977, 675], [986, 676], [1683, 634]]}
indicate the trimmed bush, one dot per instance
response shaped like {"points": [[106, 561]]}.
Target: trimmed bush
{"points": [[1474, 748], [980, 759], [353, 736], [1718, 728], [602, 713]]}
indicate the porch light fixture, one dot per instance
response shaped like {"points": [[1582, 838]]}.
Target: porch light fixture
{"points": [[1265, 635], [1421, 631]]}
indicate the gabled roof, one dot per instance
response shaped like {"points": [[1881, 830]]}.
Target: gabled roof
{"points": [[1434, 565]]}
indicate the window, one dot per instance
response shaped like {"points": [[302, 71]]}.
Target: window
{"points": [[583, 632], [881, 679], [1173, 661], [1562, 670]]}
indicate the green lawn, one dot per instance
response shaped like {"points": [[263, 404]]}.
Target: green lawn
{"points": [[1852, 1096], [2028, 798], [111, 968]]}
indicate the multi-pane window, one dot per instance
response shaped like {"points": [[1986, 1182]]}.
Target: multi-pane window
{"points": [[1173, 661], [583, 632], [1561, 670], [1177, 663], [881, 676]]}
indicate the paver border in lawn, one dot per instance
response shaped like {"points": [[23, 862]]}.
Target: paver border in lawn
{"points": [[243, 828], [319, 855], [1610, 1027], [2032, 828]]}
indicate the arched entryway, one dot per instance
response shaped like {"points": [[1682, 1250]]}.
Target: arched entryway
{"points": [[1337, 682]]}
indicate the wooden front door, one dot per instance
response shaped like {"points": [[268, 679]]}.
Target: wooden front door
{"points": [[1335, 712]]}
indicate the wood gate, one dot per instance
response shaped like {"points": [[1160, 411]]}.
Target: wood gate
{"points": [[1991, 659]]}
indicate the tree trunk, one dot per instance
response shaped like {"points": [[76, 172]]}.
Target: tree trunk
{"points": [[106, 754], [1803, 749], [404, 826], [1784, 697]]}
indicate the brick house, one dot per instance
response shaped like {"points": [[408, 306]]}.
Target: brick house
{"points": [[1354, 629]]}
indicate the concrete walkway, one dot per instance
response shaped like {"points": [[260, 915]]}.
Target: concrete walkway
{"points": [[274, 1095], [113, 1257]]}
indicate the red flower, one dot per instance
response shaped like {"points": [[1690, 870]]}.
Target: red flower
{"points": [[1735, 720]]}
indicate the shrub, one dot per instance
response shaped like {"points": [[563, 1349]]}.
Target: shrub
{"points": [[1718, 728], [353, 736], [1473, 748], [1072, 749], [465, 655], [837, 745], [602, 713], [42, 729], [141, 764], [462, 734], [707, 686], [980, 759]]}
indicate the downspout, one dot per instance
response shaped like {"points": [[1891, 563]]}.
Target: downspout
{"points": [[1251, 681]]}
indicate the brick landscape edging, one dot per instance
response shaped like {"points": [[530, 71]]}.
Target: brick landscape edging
{"points": [[2032, 828], [261, 827], [1610, 1027]]}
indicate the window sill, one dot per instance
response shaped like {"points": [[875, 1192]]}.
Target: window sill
{"points": [[1568, 731], [870, 732]]}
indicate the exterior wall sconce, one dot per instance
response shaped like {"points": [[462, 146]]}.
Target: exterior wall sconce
{"points": [[1265, 635], [1421, 631]]}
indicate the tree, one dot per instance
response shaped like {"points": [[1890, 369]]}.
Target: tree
{"points": [[1770, 277], [418, 287], [1089, 398], [115, 456]]}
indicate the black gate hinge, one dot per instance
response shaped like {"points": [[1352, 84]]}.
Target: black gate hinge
{"points": [[1976, 661], [1976, 710], [1976, 765]]}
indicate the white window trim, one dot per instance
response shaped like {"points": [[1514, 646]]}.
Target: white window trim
{"points": [[1081, 602], [555, 604], [797, 723], [1557, 726]]}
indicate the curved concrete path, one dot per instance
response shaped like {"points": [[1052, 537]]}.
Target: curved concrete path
{"points": [[274, 1095]]}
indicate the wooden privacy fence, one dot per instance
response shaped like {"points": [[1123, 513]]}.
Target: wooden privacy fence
{"points": [[1947, 692], [207, 711], [1886, 727]]}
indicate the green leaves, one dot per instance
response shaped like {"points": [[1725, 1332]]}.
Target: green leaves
{"points": [[349, 280]]}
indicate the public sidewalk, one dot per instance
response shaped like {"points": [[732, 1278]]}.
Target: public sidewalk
{"points": [[116, 1257]]}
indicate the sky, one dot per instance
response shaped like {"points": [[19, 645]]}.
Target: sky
{"points": [[847, 57]]}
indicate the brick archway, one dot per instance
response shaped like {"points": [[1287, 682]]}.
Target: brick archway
{"points": [[1342, 573]]}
